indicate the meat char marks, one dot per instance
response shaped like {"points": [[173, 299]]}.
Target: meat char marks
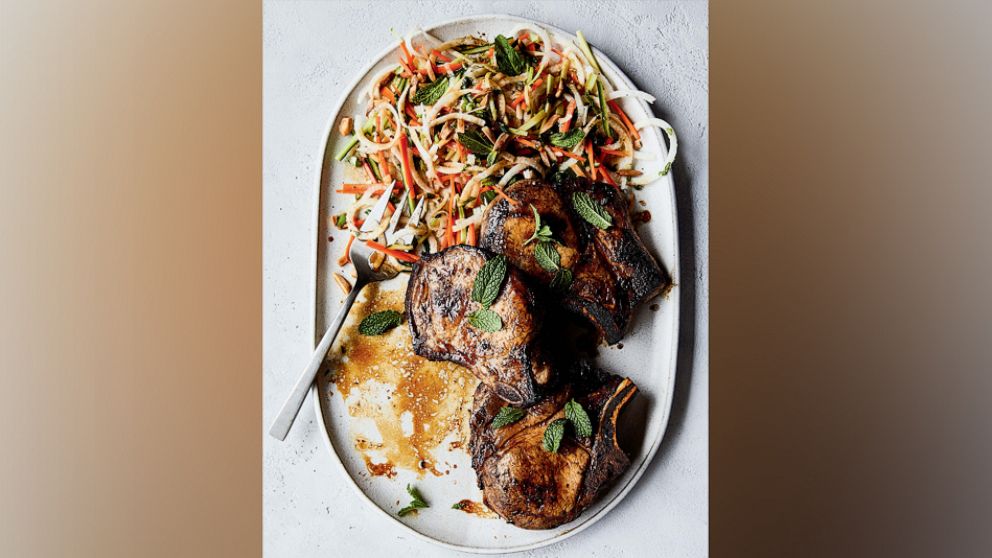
{"points": [[611, 270], [509, 361], [531, 487]]}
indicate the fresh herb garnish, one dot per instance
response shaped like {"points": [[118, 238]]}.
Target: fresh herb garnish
{"points": [[458, 505], [603, 109], [562, 280], [415, 504], [579, 418], [380, 322], [476, 143], [510, 61], [486, 320], [474, 50], [488, 196], [590, 210], [430, 93], [489, 281], [491, 158], [547, 256], [507, 415], [568, 139], [542, 233], [341, 220], [553, 435]]}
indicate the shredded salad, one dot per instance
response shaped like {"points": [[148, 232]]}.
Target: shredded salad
{"points": [[453, 123]]}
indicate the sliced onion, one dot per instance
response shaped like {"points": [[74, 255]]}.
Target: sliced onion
{"points": [[471, 188], [373, 92], [450, 96], [619, 93], [545, 44], [529, 162], [369, 145], [576, 64], [673, 142], [465, 222], [458, 116], [428, 160], [568, 164], [514, 170]]}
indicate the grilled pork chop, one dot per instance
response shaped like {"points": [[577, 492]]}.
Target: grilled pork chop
{"points": [[612, 271], [438, 302], [531, 487]]}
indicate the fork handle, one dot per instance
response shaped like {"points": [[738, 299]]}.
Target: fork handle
{"points": [[291, 408]]}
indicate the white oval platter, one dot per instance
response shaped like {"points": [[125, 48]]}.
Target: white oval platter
{"points": [[648, 355]]}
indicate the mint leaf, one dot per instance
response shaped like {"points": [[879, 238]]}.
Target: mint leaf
{"points": [[579, 418], [547, 257], [591, 211], [430, 93], [541, 233], [489, 281], [476, 142], [486, 320], [458, 505], [510, 61], [562, 280], [507, 415], [380, 322], [553, 435], [417, 502], [568, 139]]}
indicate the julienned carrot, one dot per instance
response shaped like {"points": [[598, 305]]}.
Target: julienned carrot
{"points": [[347, 250], [407, 175], [566, 153], [359, 188], [626, 121], [383, 167], [452, 67], [566, 121], [441, 56], [603, 172], [518, 100], [398, 254], [388, 94], [368, 170], [499, 192], [606, 176], [406, 52], [592, 162], [471, 241], [449, 234], [612, 152], [527, 142]]}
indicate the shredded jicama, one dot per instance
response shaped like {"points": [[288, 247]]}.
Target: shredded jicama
{"points": [[454, 148]]}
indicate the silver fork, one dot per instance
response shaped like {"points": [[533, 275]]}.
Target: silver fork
{"points": [[359, 255]]}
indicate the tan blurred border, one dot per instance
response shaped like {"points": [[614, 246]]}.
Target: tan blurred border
{"points": [[130, 342], [850, 258]]}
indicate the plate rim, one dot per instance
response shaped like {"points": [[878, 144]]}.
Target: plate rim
{"points": [[673, 296]]}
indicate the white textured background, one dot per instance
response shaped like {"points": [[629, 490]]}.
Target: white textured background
{"points": [[311, 50]]}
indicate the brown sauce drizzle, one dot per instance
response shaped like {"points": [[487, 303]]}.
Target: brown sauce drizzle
{"points": [[476, 508], [436, 395]]}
